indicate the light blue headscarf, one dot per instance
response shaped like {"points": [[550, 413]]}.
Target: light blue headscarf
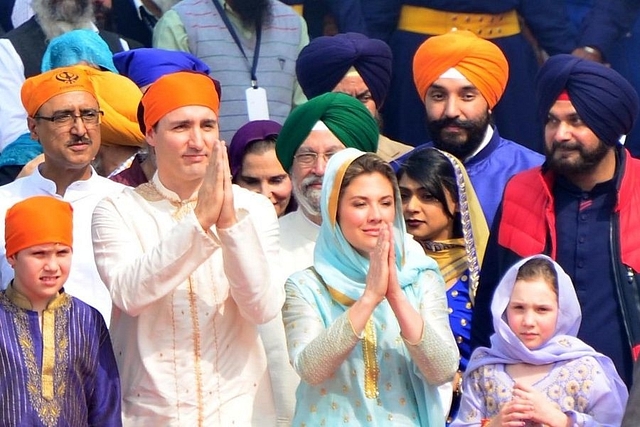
{"points": [[339, 264], [75, 46], [344, 270]]}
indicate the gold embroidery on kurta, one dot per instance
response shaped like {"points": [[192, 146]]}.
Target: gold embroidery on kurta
{"points": [[46, 384], [369, 347]]}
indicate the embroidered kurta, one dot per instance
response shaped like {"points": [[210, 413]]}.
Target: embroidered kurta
{"points": [[186, 306], [579, 387], [405, 370], [62, 375], [84, 282]]}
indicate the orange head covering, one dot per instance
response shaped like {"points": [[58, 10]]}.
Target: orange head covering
{"points": [[176, 90], [479, 60], [118, 98], [39, 89], [36, 221]]}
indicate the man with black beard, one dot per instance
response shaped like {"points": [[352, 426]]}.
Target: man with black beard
{"points": [[581, 207], [21, 52], [460, 77], [250, 46]]}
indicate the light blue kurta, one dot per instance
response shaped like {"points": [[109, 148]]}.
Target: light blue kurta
{"points": [[405, 397]]}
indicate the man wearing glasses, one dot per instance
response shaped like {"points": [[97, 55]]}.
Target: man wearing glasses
{"points": [[311, 134], [64, 116]]}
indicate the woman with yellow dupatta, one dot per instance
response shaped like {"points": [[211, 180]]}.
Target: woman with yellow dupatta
{"points": [[367, 326], [443, 214]]}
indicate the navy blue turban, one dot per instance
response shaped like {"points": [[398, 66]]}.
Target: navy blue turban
{"points": [[604, 100], [325, 61]]}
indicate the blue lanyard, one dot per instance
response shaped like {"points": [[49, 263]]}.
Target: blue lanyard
{"points": [[234, 35]]}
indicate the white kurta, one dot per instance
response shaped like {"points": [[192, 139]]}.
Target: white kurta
{"points": [[186, 306], [298, 235], [84, 282]]}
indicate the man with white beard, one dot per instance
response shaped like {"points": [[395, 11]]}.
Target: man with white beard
{"points": [[250, 46], [21, 52]]}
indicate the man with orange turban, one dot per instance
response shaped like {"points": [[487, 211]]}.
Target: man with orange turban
{"points": [[190, 261], [460, 78], [62, 367], [411, 22], [64, 117]]}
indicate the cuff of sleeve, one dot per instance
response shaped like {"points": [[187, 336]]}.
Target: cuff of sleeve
{"points": [[237, 230]]}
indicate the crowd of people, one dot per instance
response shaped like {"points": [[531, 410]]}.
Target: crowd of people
{"points": [[252, 213]]}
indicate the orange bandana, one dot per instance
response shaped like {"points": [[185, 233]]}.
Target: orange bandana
{"points": [[39, 89], [36, 221], [176, 90], [477, 59]]}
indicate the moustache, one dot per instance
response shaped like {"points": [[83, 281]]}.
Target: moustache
{"points": [[442, 123], [79, 141], [556, 145], [312, 180]]}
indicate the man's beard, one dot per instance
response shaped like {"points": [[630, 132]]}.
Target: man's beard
{"points": [[584, 163], [252, 12], [308, 198], [57, 17], [102, 15], [462, 144]]}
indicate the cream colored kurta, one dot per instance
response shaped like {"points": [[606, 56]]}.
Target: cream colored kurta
{"points": [[186, 305]]}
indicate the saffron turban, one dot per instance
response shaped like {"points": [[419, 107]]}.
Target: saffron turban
{"points": [[146, 65], [604, 100], [36, 221], [345, 116], [479, 60], [75, 46], [118, 97], [38, 89], [176, 90], [325, 61], [257, 130]]}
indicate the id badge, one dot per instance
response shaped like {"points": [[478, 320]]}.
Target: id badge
{"points": [[257, 106]]}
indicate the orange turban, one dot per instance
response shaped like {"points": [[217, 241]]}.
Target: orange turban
{"points": [[479, 60], [39, 89], [176, 90], [36, 221]]}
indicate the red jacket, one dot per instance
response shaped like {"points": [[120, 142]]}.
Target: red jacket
{"points": [[528, 224]]}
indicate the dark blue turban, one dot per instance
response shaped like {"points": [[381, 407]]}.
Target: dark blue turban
{"points": [[146, 65], [604, 100], [325, 61]]}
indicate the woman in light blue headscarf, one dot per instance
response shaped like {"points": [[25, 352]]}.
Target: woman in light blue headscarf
{"points": [[367, 326]]}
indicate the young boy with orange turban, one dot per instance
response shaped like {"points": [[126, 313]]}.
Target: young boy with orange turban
{"points": [[58, 366]]}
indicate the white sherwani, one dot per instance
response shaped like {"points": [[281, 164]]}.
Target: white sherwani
{"points": [[186, 306], [84, 282]]}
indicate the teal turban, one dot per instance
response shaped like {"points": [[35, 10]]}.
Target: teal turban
{"points": [[344, 115]]}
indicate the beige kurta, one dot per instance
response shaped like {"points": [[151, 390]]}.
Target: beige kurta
{"points": [[186, 306]]}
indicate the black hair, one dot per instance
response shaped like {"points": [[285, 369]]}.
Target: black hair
{"points": [[435, 174]]}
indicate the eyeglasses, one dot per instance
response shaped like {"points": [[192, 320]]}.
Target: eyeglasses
{"points": [[89, 118], [310, 158]]}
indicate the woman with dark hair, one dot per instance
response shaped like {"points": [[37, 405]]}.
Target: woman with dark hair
{"points": [[443, 214], [367, 327], [254, 165]]}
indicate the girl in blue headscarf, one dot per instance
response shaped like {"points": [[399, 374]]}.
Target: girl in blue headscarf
{"points": [[367, 326]]}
